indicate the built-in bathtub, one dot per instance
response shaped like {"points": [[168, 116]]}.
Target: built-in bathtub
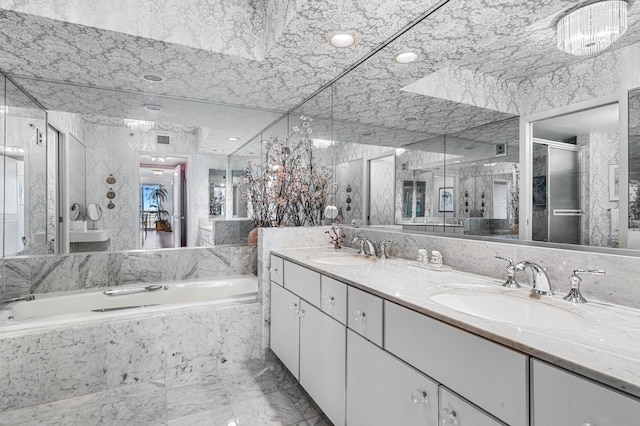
{"points": [[131, 342], [44, 309]]}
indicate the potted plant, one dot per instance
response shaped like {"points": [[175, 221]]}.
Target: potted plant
{"points": [[159, 193]]}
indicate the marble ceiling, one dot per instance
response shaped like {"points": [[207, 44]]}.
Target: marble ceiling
{"points": [[233, 67]]}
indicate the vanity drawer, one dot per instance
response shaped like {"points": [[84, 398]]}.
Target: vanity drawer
{"points": [[303, 282], [364, 315], [459, 412], [334, 298], [563, 398], [493, 377], [277, 269]]}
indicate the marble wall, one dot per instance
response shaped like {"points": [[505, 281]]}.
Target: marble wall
{"points": [[126, 370], [42, 274]]}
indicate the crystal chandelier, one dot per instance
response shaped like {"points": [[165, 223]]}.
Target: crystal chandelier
{"points": [[142, 125], [592, 27]]}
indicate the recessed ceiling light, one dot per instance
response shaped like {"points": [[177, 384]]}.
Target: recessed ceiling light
{"points": [[410, 119], [342, 40], [152, 108], [406, 57], [218, 150], [152, 78], [233, 138]]}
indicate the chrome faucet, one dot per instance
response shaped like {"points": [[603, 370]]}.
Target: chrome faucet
{"points": [[369, 245], [511, 281], [574, 294], [541, 283], [383, 249]]}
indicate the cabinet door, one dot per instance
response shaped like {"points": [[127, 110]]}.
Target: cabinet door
{"points": [[334, 298], [562, 398], [322, 361], [491, 376], [382, 390], [365, 314], [277, 269], [456, 411], [303, 282], [285, 330]]}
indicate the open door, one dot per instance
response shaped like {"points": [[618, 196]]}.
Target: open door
{"points": [[179, 217]]}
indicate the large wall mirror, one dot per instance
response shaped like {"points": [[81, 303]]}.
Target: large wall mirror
{"points": [[478, 128]]}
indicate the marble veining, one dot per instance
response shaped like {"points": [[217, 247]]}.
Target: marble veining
{"points": [[606, 353], [42, 274]]}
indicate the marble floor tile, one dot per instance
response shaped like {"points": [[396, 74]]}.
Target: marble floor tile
{"points": [[221, 416], [303, 402], [319, 421], [194, 392], [271, 409], [250, 383]]}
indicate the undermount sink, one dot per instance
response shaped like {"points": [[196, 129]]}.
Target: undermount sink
{"points": [[343, 259], [512, 309]]}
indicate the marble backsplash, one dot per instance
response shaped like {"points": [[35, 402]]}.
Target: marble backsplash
{"points": [[42, 274]]}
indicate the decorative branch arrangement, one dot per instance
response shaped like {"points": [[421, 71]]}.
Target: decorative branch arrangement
{"points": [[289, 188]]}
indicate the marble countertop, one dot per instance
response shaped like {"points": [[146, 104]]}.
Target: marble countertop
{"points": [[607, 350]]}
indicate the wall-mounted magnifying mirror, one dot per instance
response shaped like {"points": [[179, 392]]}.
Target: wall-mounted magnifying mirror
{"points": [[94, 211], [76, 211]]}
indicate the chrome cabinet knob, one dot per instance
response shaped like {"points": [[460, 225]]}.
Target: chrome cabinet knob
{"points": [[330, 300], [294, 307], [419, 396], [359, 316], [301, 313], [448, 417]]}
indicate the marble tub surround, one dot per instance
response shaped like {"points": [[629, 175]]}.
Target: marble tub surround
{"points": [[604, 350], [618, 286], [50, 365], [42, 274]]}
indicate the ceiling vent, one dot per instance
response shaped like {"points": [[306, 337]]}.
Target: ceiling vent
{"points": [[162, 139], [501, 149]]}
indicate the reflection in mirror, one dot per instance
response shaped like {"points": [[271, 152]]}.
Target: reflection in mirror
{"points": [[381, 190], [348, 194], [575, 188], [23, 173], [94, 212], [77, 171], [217, 190], [76, 211], [238, 188], [634, 169]]}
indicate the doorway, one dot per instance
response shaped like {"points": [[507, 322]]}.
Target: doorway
{"points": [[163, 212], [381, 190], [500, 199]]}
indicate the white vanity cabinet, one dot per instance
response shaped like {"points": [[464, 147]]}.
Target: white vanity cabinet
{"points": [[382, 390], [456, 411], [310, 343], [285, 327], [563, 398], [322, 362], [491, 376]]}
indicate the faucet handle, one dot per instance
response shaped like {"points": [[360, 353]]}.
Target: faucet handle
{"points": [[574, 295], [361, 239], [506, 259], [511, 281], [383, 249]]}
